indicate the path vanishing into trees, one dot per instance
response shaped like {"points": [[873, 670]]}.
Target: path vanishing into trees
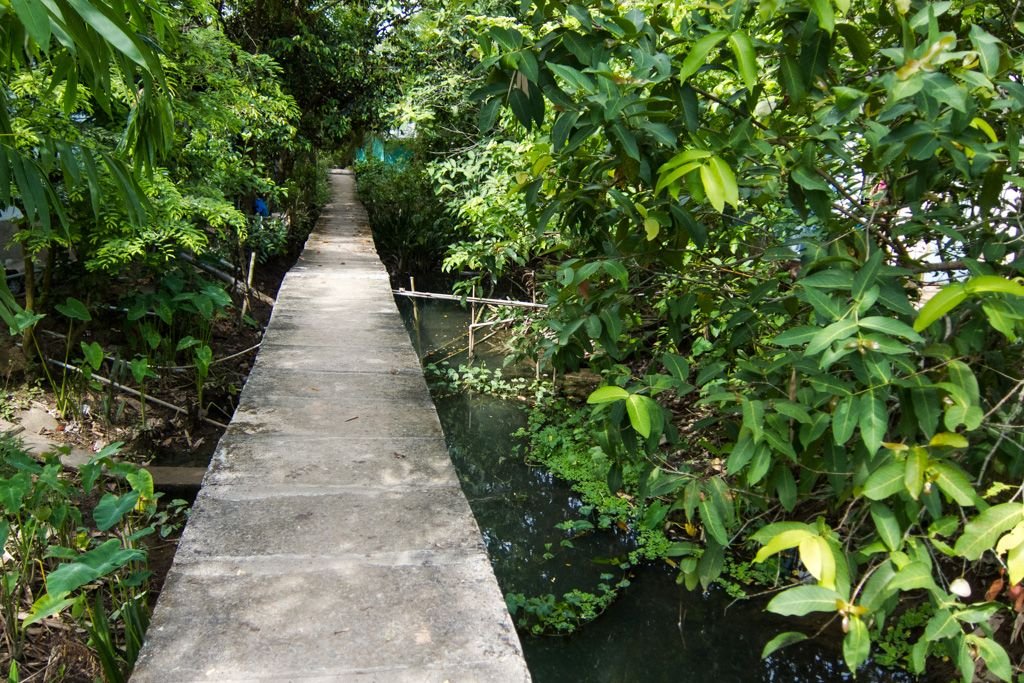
{"points": [[331, 540]]}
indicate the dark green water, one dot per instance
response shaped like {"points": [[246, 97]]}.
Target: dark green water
{"points": [[656, 630]]}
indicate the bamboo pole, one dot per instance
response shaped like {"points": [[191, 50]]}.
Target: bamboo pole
{"points": [[470, 299], [248, 284]]}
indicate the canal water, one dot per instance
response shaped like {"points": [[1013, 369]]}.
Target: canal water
{"points": [[656, 630]]}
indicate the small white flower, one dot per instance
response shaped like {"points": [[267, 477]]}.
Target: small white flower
{"points": [[960, 587]]}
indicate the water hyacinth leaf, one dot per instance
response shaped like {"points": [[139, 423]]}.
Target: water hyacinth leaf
{"points": [[856, 644], [886, 481], [607, 394], [802, 600], [782, 640]]}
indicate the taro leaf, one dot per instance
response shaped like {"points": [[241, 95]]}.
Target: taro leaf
{"points": [[982, 532], [93, 353], [782, 640], [13, 491], [74, 309], [111, 509], [47, 605], [90, 566], [607, 394], [802, 600]]}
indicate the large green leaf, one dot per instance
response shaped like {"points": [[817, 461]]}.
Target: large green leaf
{"points": [[856, 644], [111, 509], [837, 331], [944, 301], [782, 640], [802, 600], [719, 183], [746, 60], [886, 481], [954, 483], [698, 55], [640, 408], [887, 525], [890, 326], [607, 394], [844, 419], [982, 532], [873, 420], [92, 565]]}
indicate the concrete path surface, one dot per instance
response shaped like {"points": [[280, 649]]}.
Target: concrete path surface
{"points": [[331, 540]]}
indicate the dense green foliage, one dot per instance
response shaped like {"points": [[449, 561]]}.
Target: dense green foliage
{"points": [[738, 214]]}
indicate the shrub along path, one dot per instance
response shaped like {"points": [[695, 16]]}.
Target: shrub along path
{"points": [[331, 540]]}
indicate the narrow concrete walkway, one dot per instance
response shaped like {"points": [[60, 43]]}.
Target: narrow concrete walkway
{"points": [[331, 540]]}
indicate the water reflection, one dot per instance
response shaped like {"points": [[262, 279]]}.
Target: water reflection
{"points": [[656, 630]]}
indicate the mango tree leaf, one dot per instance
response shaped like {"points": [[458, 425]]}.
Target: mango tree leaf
{"points": [[746, 61], [780, 641], [837, 331], [993, 284], [887, 525], [942, 625], [607, 394], [996, 659], [890, 326], [817, 557], [639, 409], [886, 481], [873, 421], [982, 532], [856, 644], [698, 55], [954, 483], [844, 420], [712, 520], [719, 184], [802, 600], [944, 301], [676, 365], [913, 474], [914, 576]]}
